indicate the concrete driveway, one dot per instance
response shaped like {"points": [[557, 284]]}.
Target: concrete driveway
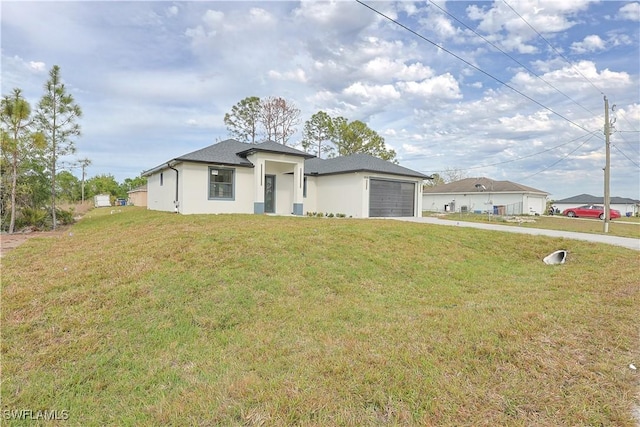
{"points": [[625, 242]]}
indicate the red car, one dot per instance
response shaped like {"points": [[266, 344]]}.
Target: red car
{"points": [[590, 211]]}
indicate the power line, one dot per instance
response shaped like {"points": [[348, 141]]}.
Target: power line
{"points": [[561, 159], [533, 73], [473, 66], [512, 58], [627, 157], [622, 138], [520, 158], [554, 49], [560, 54]]}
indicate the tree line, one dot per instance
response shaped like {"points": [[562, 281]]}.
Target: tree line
{"points": [[274, 118], [32, 142], [33, 180]]}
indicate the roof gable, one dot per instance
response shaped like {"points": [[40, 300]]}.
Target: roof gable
{"points": [[482, 184], [356, 163], [225, 152], [234, 153], [273, 147], [584, 199]]}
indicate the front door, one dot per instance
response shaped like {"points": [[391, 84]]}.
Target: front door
{"points": [[270, 194]]}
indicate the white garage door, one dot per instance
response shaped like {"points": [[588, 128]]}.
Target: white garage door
{"points": [[391, 198]]}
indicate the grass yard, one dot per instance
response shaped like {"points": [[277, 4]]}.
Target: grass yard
{"points": [[146, 318], [623, 227]]}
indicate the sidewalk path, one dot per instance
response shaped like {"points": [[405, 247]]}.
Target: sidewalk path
{"points": [[625, 242]]}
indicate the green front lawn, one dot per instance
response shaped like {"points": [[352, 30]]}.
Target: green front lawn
{"points": [[149, 318], [622, 227]]}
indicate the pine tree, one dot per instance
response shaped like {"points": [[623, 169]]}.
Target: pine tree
{"points": [[56, 119]]}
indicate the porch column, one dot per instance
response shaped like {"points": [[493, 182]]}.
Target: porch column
{"points": [[258, 185], [298, 183]]}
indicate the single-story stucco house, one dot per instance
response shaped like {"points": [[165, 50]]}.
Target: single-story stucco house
{"points": [[137, 196], [237, 177], [482, 195], [621, 204]]}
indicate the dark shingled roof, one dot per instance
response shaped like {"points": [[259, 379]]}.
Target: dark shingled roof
{"points": [[224, 152], [588, 199], [474, 185], [273, 147], [234, 153], [356, 163]]}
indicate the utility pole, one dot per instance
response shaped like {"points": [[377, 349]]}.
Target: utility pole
{"points": [[607, 165], [84, 163]]}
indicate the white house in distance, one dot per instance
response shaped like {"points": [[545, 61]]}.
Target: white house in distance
{"points": [[622, 204], [480, 195], [236, 177]]}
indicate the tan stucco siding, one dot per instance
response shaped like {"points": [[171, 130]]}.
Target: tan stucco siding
{"points": [[137, 198]]}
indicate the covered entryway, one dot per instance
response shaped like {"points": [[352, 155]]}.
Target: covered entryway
{"points": [[389, 198]]}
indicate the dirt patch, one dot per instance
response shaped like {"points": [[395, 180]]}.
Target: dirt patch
{"points": [[12, 241], [9, 242]]}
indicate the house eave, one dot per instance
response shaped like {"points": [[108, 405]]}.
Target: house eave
{"points": [[472, 192], [205, 162], [253, 150], [178, 160], [342, 172], [160, 167]]}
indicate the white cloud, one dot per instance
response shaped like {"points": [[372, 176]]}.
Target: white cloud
{"points": [[513, 28], [259, 16], [297, 75], [172, 10], [440, 25], [590, 43], [537, 122], [167, 72], [37, 66], [382, 68], [579, 79], [328, 16], [372, 93], [213, 18], [436, 88], [630, 12]]}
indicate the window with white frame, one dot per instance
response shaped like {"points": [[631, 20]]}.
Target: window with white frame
{"points": [[221, 183]]}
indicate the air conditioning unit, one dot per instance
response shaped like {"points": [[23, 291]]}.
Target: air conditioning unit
{"points": [[464, 209]]}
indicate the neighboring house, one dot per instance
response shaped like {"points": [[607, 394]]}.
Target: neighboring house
{"points": [[236, 177], [137, 196], [481, 195], [621, 204]]}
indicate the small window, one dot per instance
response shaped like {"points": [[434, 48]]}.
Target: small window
{"points": [[161, 178], [220, 183], [304, 187]]}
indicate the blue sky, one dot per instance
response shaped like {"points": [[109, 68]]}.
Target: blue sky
{"points": [[155, 79]]}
